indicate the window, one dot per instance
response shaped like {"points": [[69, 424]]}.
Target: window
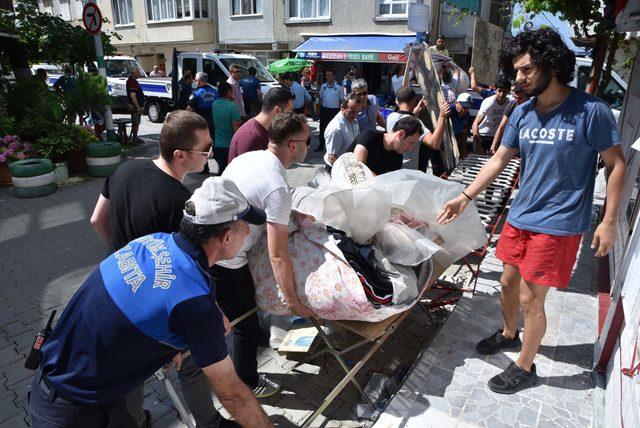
{"points": [[392, 7], [163, 10], [121, 67], [308, 9], [613, 93], [215, 74], [246, 7], [122, 12], [190, 64], [244, 63], [200, 8], [65, 10]]}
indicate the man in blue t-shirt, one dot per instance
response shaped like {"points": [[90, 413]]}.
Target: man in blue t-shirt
{"points": [[251, 92], [139, 310], [559, 132]]}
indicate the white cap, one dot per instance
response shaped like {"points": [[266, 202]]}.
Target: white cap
{"points": [[465, 100], [218, 201]]}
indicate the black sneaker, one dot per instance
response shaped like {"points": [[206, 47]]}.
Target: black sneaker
{"points": [[513, 379], [497, 342]]}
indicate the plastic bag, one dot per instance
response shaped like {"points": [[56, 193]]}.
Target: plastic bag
{"points": [[363, 210], [402, 245]]}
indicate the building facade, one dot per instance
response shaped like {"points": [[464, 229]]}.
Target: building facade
{"points": [[150, 29]]}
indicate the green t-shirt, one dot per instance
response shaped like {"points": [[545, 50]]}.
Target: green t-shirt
{"points": [[224, 113]]}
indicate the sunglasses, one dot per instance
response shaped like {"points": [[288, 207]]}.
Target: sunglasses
{"points": [[198, 151]]}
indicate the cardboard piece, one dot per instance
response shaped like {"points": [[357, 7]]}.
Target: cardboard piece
{"points": [[487, 41], [298, 340], [427, 77]]}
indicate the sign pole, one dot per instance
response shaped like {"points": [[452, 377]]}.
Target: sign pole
{"points": [[92, 20], [108, 117]]}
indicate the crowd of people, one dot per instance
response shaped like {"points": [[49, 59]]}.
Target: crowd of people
{"points": [[178, 266]]}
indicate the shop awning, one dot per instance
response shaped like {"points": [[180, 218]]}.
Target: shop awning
{"points": [[355, 48]]}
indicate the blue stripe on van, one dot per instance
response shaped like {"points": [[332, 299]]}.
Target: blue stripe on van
{"points": [[148, 87]]}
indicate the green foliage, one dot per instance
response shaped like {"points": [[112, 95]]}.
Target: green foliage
{"points": [[583, 15], [7, 125], [54, 147], [58, 142], [33, 128], [79, 135], [630, 48], [31, 98], [90, 93], [51, 39]]}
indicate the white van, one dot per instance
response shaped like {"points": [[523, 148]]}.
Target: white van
{"points": [[161, 93]]}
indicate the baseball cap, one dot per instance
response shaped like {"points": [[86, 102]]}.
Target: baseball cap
{"points": [[465, 100], [218, 201]]}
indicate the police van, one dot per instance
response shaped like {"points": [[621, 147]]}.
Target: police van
{"points": [[118, 69], [161, 93]]}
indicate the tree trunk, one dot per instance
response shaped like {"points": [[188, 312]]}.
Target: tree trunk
{"points": [[18, 60], [607, 72]]}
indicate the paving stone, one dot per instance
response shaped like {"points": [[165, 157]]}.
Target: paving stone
{"points": [[8, 410]]}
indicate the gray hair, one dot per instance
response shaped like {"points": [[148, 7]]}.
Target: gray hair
{"points": [[359, 84], [202, 77]]}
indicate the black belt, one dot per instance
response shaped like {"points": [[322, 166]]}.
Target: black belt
{"points": [[55, 393]]}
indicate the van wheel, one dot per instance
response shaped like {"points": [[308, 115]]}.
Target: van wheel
{"points": [[156, 111]]}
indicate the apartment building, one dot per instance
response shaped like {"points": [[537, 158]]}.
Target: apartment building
{"points": [[150, 29], [372, 33]]}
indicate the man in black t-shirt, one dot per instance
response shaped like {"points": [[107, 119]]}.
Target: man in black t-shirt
{"points": [[519, 97], [147, 196], [382, 151]]}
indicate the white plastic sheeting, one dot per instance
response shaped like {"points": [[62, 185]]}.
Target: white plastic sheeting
{"points": [[363, 210]]}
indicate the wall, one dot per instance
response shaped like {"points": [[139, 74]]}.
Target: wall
{"points": [[347, 17], [254, 29]]}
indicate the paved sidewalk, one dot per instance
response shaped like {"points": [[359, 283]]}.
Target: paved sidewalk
{"points": [[448, 385], [49, 248]]}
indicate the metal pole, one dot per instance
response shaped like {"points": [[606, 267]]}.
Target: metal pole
{"points": [[108, 117]]}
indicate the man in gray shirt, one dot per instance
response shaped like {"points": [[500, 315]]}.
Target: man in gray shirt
{"points": [[343, 129]]}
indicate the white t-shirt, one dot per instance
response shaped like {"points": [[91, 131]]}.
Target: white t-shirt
{"points": [[492, 112], [262, 179], [410, 158]]}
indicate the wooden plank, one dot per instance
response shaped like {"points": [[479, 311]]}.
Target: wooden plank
{"points": [[487, 41], [427, 77]]}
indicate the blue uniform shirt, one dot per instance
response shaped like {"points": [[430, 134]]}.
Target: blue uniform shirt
{"points": [[133, 314], [559, 153], [250, 86], [346, 83], [301, 94], [202, 99], [330, 95]]}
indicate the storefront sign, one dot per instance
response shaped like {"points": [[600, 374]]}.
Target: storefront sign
{"points": [[355, 56]]}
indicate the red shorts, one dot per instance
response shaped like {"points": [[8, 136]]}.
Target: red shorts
{"points": [[542, 259]]}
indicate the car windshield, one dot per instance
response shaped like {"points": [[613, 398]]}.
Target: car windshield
{"points": [[122, 67], [261, 73]]}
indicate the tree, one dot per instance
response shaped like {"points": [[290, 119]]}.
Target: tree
{"points": [[48, 39], [587, 21]]}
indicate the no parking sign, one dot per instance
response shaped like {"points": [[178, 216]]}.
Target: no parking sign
{"points": [[92, 18]]}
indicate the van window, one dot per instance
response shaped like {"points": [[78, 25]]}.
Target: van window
{"points": [[190, 64], [613, 93], [215, 73], [244, 63], [122, 67]]}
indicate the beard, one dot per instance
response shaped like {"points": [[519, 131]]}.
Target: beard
{"points": [[540, 85]]}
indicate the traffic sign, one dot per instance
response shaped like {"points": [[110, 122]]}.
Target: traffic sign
{"points": [[92, 18]]}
